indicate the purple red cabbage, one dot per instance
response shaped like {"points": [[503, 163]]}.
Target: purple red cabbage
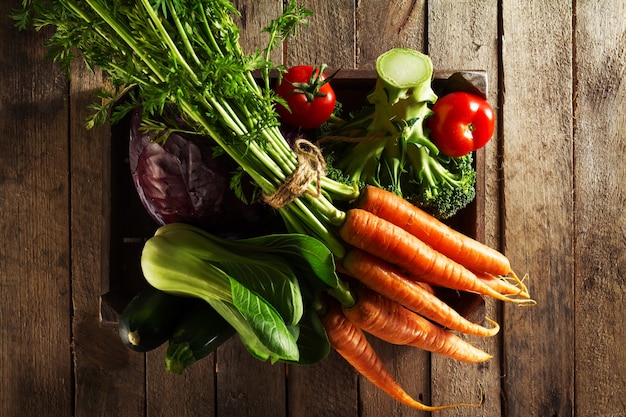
{"points": [[179, 180]]}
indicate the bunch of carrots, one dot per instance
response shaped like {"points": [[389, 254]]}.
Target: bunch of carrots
{"points": [[398, 256]]}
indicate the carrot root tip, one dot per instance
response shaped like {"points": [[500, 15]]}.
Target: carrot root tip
{"points": [[520, 283], [523, 294], [496, 327]]}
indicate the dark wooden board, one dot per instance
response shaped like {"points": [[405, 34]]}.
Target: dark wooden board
{"points": [[598, 232], [35, 255], [538, 214], [553, 202], [465, 35]]}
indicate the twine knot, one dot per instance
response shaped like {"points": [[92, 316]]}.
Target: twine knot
{"points": [[311, 167]]}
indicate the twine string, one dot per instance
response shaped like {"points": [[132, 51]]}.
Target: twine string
{"points": [[311, 167]]}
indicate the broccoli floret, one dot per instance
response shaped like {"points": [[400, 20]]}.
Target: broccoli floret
{"points": [[409, 165], [441, 185], [385, 144]]}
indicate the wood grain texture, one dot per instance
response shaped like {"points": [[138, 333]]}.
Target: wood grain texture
{"points": [[35, 334], [112, 377], [411, 368], [538, 206], [600, 199], [378, 29], [191, 394], [247, 386], [327, 39], [331, 384], [554, 199], [464, 35], [254, 17]]}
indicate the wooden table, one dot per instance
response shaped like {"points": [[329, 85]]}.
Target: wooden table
{"points": [[553, 195]]}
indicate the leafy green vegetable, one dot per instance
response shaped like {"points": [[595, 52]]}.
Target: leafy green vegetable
{"points": [[185, 55], [312, 261], [385, 144], [249, 282], [313, 343]]}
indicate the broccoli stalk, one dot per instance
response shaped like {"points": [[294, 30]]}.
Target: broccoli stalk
{"points": [[385, 143]]}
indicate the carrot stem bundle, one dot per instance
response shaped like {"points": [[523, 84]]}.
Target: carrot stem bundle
{"points": [[383, 278], [350, 342], [462, 249], [393, 323], [395, 245]]}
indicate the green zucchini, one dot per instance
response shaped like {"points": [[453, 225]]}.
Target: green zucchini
{"points": [[199, 332], [149, 318]]}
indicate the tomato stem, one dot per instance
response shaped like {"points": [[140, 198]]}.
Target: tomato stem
{"points": [[311, 89]]}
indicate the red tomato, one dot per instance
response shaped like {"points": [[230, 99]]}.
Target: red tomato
{"points": [[462, 123], [308, 94]]}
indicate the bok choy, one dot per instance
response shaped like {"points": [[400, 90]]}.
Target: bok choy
{"points": [[265, 287]]}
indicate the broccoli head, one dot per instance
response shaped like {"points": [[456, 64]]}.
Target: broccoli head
{"points": [[409, 165], [439, 184]]}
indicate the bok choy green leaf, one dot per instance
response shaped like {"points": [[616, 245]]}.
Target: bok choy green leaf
{"points": [[255, 284]]}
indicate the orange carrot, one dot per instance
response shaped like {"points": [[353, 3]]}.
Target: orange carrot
{"points": [[395, 245], [383, 278], [425, 286], [466, 251], [350, 342], [391, 322]]}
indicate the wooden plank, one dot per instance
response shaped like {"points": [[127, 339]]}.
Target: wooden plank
{"points": [[538, 368], [400, 24], [333, 380], [328, 38], [187, 395], [378, 29], [472, 27], [110, 376], [600, 199], [35, 368], [312, 389], [254, 17], [247, 386], [244, 384], [330, 385]]}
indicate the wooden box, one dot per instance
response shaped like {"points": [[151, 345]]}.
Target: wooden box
{"points": [[130, 225]]}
